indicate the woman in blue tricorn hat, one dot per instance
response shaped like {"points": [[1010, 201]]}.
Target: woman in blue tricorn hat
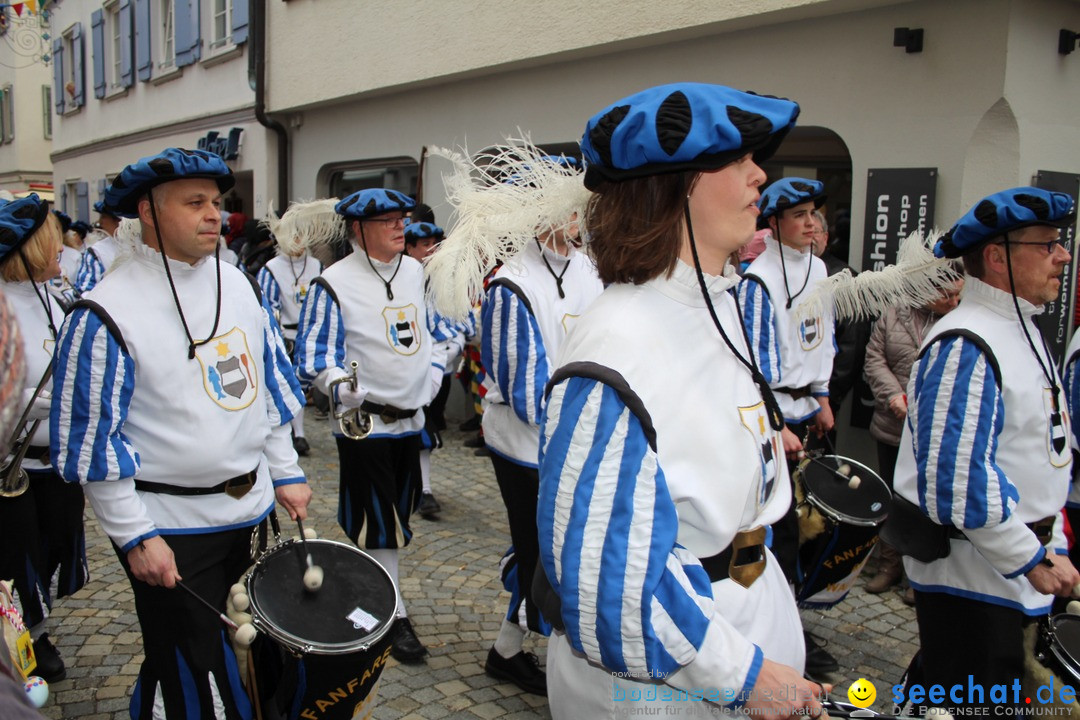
{"points": [[660, 460]]}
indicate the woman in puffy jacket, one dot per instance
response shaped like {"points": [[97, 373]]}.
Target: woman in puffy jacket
{"points": [[893, 349]]}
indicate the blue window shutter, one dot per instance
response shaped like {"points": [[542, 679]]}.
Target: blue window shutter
{"points": [[101, 184], [63, 198], [188, 40], [58, 75], [97, 51], [127, 73], [78, 71], [144, 61], [82, 204], [240, 21]]}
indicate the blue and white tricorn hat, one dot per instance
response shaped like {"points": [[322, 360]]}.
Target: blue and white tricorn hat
{"points": [[1003, 212], [789, 192], [135, 180], [419, 230], [373, 201], [19, 220], [682, 126]]}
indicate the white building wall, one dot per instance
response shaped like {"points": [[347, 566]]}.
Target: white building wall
{"points": [[174, 108], [892, 109], [26, 158]]}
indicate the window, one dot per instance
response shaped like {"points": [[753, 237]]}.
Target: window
{"points": [[68, 70], [7, 115], [115, 36], [167, 26], [46, 111], [220, 24]]}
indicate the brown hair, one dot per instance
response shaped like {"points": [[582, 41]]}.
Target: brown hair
{"points": [[635, 227], [40, 250]]}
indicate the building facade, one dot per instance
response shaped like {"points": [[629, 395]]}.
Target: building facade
{"points": [[25, 101], [132, 77]]}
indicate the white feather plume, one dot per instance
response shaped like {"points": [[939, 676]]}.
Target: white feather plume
{"points": [[306, 225], [502, 200], [915, 280]]}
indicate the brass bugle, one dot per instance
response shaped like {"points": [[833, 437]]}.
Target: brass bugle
{"points": [[13, 479], [354, 422]]}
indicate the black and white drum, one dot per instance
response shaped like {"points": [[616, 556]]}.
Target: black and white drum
{"points": [[841, 504], [320, 655]]}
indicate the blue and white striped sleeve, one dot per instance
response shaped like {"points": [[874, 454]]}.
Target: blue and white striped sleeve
{"points": [[320, 338], [512, 351], [956, 414], [93, 380], [90, 271], [270, 289], [632, 599], [758, 317], [284, 400], [1071, 382]]}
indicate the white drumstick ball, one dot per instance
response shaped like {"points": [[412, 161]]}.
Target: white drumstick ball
{"points": [[1073, 608], [844, 469], [241, 601], [245, 634], [854, 482], [313, 578], [310, 534], [236, 589]]}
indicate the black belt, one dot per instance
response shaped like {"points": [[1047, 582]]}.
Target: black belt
{"points": [[236, 487], [1043, 530], [795, 393], [290, 326], [386, 413]]}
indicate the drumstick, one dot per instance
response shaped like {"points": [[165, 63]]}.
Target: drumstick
{"points": [[313, 576], [222, 616]]}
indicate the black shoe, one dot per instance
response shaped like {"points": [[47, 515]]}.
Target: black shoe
{"points": [[818, 661], [429, 508], [406, 647], [474, 442], [523, 670], [49, 665], [481, 452], [470, 425], [300, 444]]}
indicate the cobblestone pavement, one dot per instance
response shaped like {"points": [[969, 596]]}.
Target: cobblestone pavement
{"points": [[455, 598]]}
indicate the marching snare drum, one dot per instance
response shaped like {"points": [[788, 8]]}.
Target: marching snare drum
{"points": [[320, 654], [838, 525]]}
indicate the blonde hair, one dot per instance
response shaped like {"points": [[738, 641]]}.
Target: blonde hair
{"points": [[40, 251], [72, 239]]}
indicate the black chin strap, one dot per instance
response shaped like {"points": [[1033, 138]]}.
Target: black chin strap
{"points": [[389, 290], [1051, 380], [192, 343], [772, 408], [559, 277], [783, 269]]}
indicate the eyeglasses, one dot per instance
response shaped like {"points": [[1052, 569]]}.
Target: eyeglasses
{"points": [[1049, 245], [391, 221]]}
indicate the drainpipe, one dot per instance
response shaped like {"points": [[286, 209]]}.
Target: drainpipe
{"points": [[257, 80]]}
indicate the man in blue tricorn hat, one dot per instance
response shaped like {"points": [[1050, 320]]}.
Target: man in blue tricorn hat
{"points": [[984, 459], [173, 412]]}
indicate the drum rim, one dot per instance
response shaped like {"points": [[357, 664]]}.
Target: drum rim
{"points": [[303, 645], [836, 515], [1063, 656]]}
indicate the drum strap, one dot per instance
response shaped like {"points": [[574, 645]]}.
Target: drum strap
{"points": [[236, 487], [743, 560]]}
